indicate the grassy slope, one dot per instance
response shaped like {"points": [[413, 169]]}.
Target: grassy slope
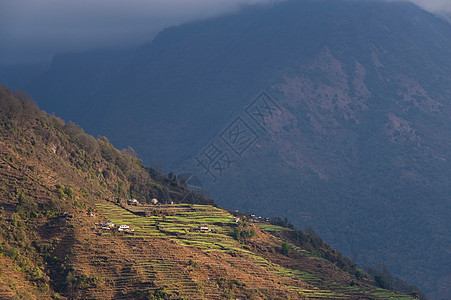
{"points": [[48, 168]]}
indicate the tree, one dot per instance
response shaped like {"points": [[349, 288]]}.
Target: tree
{"points": [[286, 248]]}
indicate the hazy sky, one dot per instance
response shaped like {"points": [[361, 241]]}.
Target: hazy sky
{"points": [[33, 30], [434, 5]]}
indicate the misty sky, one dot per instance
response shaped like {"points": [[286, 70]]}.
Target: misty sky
{"points": [[33, 30]]}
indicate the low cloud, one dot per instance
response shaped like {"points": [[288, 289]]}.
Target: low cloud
{"points": [[32, 30]]}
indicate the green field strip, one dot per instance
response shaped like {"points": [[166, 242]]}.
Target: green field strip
{"points": [[298, 250], [385, 294], [274, 228], [317, 293], [296, 274], [200, 245]]}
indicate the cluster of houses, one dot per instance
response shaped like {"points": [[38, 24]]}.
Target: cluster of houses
{"points": [[109, 226], [258, 219], [135, 202], [252, 217]]}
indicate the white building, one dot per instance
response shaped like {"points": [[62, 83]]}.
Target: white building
{"points": [[123, 228]]}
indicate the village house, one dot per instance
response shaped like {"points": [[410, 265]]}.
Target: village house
{"points": [[203, 229], [124, 228], [108, 224], [132, 202]]}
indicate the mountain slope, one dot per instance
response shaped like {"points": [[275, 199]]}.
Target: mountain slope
{"points": [[58, 185], [358, 142]]}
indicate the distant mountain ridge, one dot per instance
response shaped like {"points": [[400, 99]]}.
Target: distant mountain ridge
{"points": [[360, 145]]}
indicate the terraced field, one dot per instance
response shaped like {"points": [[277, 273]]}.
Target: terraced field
{"points": [[169, 252]]}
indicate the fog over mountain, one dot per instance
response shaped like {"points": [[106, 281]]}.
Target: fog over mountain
{"points": [[33, 31], [36, 30]]}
